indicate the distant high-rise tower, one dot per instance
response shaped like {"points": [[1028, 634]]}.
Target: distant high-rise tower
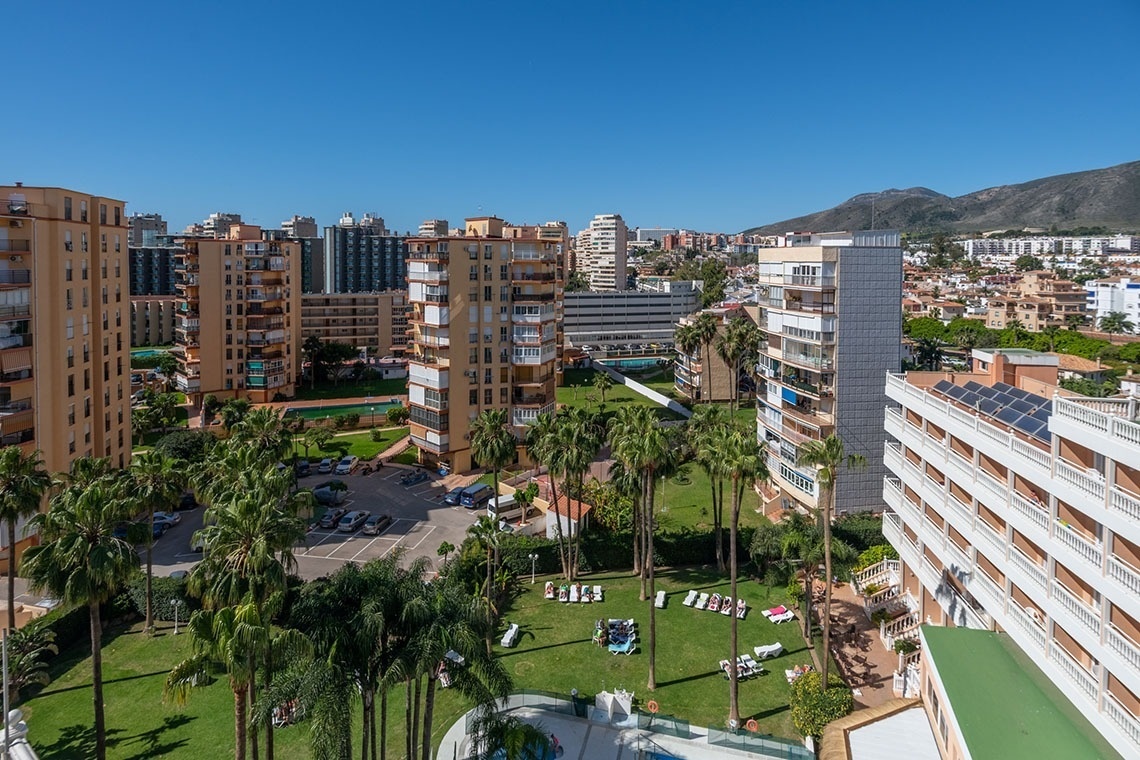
{"points": [[145, 229], [601, 252], [362, 257], [304, 230]]}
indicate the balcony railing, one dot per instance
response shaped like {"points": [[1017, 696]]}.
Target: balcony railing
{"points": [[1124, 573], [15, 276], [1124, 645], [990, 534], [1092, 484], [1083, 611], [985, 588], [1081, 678], [1087, 549], [1128, 723], [991, 483], [15, 246], [1035, 512], [1029, 624], [1124, 502]]}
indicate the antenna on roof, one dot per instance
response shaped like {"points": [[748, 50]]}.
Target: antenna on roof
{"points": [[872, 213]]}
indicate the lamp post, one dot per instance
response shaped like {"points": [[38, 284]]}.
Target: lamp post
{"points": [[373, 410], [176, 603], [533, 559]]}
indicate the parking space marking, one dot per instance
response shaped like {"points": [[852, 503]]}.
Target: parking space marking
{"points": [[431, 529], [369, 546]]}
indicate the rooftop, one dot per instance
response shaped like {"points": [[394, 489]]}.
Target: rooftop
{"points": [[1002, 703]]}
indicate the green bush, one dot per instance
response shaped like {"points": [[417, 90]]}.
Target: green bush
{"points": [[905, 646], [878, 617], [69, 626], [164, 592], [861, 531], [191, 446], [875, 554], [375, 435], [813, 708], [872, 588], [397, 415]]}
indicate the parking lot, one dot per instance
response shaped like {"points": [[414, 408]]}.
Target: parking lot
{"points": [[420, 523]]}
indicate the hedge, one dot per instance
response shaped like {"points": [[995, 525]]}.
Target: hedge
{"points": [[69, 626], [164, 591], [812, 708]]}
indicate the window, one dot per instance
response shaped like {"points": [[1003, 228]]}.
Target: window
{"points": [[67, 270], [503, 272], [83, 270], [473, 396], [85, 302], [118, 249], [474, 273], [87, 380], [473, 356], [502, 334], [102, 213], [70, 328], [118, 218], [67, 208], [71, 414], [488, 396], [70, 385], [103, 295], [83, 241], [67, 244], [486, 271], [70, 357], [487, 375], [487, 356], [87, 407], [67, 301], [488, 251], [503, 395], [487, 293], [103, 242], [83, 214]]}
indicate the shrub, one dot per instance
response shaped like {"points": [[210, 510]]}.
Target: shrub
{"points": [[375, 435], [878, 617], [873, 555], [813, 708], [872, 588], [164, 592], [69, 626], [191, 446], [905, 646], [861, 531], [795, 591], [397, 415]]}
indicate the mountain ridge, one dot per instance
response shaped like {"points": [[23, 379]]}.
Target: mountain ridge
{"points": [[1108, 197]]}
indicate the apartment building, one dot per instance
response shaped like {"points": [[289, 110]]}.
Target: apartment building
{"points": [[1049, 246], [152, 266], [1119, 294], [432, 228], [1015, 507], [152, 320], [601, 252], [145, 229], [363, 257], [498, 298], [216, 225], [831, 312], [64, 340], [1036, 301], [704, 376], [618, 318], [237, 334], [375, 322]]}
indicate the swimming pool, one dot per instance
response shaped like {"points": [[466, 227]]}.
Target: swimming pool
{"points": [[635, 363], [146, 353], [366, 411]]}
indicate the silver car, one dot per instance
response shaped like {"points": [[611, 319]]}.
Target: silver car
{"points": [[353, 520]]}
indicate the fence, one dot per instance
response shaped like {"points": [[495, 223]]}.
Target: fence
{"points": [[766, 746], [649, 393]]}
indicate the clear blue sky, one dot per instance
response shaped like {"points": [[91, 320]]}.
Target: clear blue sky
{"points": [[708, 115]]}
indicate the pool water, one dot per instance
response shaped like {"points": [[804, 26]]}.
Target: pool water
{"points": [[332, 410], [146, 353], [633, 363]]}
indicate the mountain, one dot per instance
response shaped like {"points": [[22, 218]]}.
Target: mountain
{"points": [[1100, 197]]}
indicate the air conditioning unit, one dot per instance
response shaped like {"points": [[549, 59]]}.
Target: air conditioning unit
{"points": [[15, 222], [15, 258]]}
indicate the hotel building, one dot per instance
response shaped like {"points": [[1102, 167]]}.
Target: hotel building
{"points": [[64, 311], [237, 334], [1015, 507], [483, 334], [831, 313]]}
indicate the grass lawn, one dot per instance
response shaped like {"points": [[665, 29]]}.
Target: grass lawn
{"points": [[616, 397], [360, 444], [348, 389], [409, 455], [687, 500]]}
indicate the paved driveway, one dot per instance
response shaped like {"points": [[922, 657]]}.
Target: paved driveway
{"points": [[420, 523]]}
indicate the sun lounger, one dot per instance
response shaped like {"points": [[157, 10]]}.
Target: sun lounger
{"points": [[564, 593], [597, 593], [587, 595], [789, 615], [754, 666], [626, 648], [510, 638], [741, 609], [714, 603], [724, 667], [659, 601], [703, 602], [769, 650], [769, 613], [549, 592], [690, 598], [743, 669], [726, 607], [573, 593], [792, 675]]}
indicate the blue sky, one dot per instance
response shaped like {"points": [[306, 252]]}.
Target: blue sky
{"points": [[713, 115]]}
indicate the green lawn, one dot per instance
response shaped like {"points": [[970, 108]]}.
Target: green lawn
{"points": [[616, 397], [348, 389], [687, 500], [359, 444]]}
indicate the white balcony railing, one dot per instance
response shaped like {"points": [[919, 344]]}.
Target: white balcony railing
{"points": [[1124, 645], [1084, 547], [1035, 572], [1128, 723], [958, 557], [1085, 681], [894, 422], [983, 587], [990, 534], [1091, 483], [992, 484], [1126, 503], [1035, 512], [1123, 572], [1029, 624], [961, 507], [965, 467], [1111, 421], [1088, 616]]}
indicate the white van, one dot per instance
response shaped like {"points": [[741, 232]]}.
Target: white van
{"points": [[504, 508]]}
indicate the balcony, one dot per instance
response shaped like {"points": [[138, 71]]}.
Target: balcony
{"points": [[991, 483], [1124, 502], [533, 276], [529, 399], [187, 384], [1029, 623], [991, 535], [1088, 550], [1124, 573], [1085, 681], [894, 422], [986, 588], [1083, 611], [1124, 720], [15, 276], [15, 312], [15, 246], [528, 416], [1123, 645], [518, 296], [1101, 416], [1089, 482], [1037, 513]]}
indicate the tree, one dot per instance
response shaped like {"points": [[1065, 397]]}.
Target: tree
{"points": [[1116, 322], [543, 447], [156, 481], [714, 275], [164, 407], [211, 405], [311, 350], [928, 354], [827, 457], [23, 483], [1049, 334], [263, 430], [1028, 263], [577, 282], [486, 533], [492, 443], [81, 562], [703, 428], [397, 415], [602, 382], [189, 446], [581, 434], [705, 327], [507, 737], [334, 354], [143, 420], [1074, 321], [738, 347], [316, 437], [813, 706], [167, 364], [28, 648]]}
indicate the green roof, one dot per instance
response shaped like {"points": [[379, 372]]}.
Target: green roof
{"points": [[1004, 705]]}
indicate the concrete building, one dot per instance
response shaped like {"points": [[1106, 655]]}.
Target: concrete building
{"points": [[152, 267], [216, 225], [152, 320], [237, 334], [1119, 294], [303, 229], [145, 229], [432, 228], [374, 322], [831, 312], [297, 227], [362, 257], [654, 235], [601, 252], [1038, 300], [1015, 507], [706, 377], [64, 340], [498, 299], [599, 318]]}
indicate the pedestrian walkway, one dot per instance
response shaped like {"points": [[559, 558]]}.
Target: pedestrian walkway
{"points": [[865, 664]]}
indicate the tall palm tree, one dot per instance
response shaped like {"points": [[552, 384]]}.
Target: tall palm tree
{"points": [[686, 340], [311, 350], [23, 483], [1115, 323], [738, 347], [156, 481], [263, 429], [492, 442], [705, 327], [581, 434], [544, 447], [827, 457], [602, 383], [928, 354], [744, 463], [1075, 321], [508, 737], [81, 562], [486, 531], [1050, 334], [705, 424]]}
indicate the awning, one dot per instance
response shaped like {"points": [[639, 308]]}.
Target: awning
{"points": [[16, 360], [788, 395]]}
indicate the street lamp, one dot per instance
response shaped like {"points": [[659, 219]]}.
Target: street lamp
{"points": [[533, 559], [176, 604], [373, 409]]}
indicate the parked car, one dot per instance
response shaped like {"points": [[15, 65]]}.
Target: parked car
{"points": [[413, 478], [351, 521], [452, 497], [330, 492], [169, 519], [376, 524], [303, 468], [476, 495], [347, 465], [325, 467], [187, 501], [332, 517], [197, 543]]}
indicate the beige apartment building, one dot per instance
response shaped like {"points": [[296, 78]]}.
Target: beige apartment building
{"points": [[484, 334], [237, 334], [64, 344], [376, 322], [1038, 300], [152, 320]]}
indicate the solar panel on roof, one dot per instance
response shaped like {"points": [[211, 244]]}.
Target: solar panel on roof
{"points": [[989, 406], [1044, 435], [1040, 415], [969, 398], [973, 385], [942, 386], [1023, 406], [1003, 387], [1018, 392], [1027, 424], [1008, 415], [1048, 406], [955, 391], [987, 392]]}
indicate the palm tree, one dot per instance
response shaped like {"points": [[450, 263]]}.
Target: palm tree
{"points": [[28, 648], [544, 447], [1050, 334], [704, 425], [492, 443], [744, 463], [603, 382], [508, 737], [143, 420], [1075, 321], [928, 354], [800, 546], [705, 328], [81, 562], [827, 457], [1115, 323], [486, 532], [581, 435], [23, 483], [738, 347], [263, 429], [311, 350], [156, 480]]}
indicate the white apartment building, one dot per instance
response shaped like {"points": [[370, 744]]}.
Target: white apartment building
{"points": [[1016, 509], [601, 252], [1113, 294], [1049, 246], [830, 307]]}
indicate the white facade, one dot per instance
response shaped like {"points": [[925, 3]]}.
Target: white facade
{"points": [[1049, 245], [1038, 535], [1120, 294], [601, 252]]}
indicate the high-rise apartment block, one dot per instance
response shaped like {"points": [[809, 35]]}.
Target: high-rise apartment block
{"points": [[152, 266], [363, 257], [1113, 294], [601, 252], [145, 229], [64, 320], [433, 228], [153, 319], [311, 265], [300, 227], [377, 323], [831, 312], [238, 332], [484, 334], [1015, 506], [216, 225]]}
